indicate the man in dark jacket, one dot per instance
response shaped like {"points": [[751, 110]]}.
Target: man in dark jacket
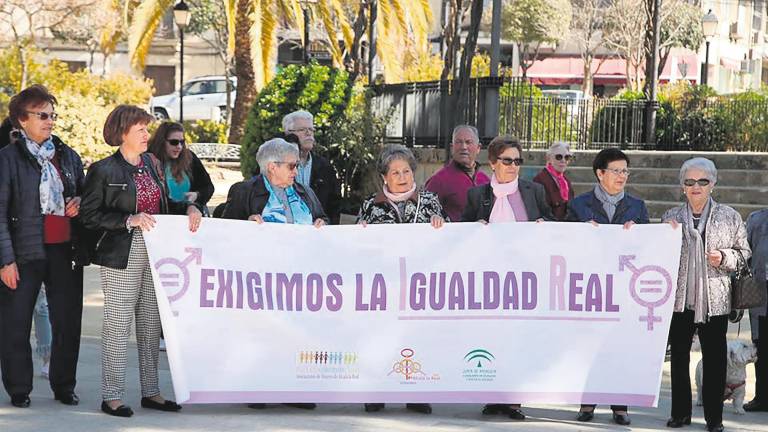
{"points": [[314, 170]]}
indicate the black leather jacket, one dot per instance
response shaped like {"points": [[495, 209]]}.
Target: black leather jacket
{"points": [[109, 198], [21, 222], [251, 196]]}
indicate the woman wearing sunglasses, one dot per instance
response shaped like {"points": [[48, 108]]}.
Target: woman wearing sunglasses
{"points": [[185, 176], [41, 181], [508, 198], [556, 183], [714, 245]]}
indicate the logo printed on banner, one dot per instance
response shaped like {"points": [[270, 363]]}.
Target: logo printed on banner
{"points": [[479, 359], [650, 279], [174, 274], [410, 369], [326, 365]]}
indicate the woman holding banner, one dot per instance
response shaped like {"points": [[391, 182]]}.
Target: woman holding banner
{"points": [[714, 244], [400, 201], [607, 203], [508, 198], [122, 192], [274, 195]]}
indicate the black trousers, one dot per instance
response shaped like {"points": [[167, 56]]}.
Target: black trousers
{"points": [[714, 353], [64, 288], [761, 366], [613, 407]]}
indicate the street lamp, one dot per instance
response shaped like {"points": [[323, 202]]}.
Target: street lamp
{"points": [[182, 16], [709, 28], [305, 9]]}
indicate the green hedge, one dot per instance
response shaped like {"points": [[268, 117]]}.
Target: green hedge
{"points": [[320, 90]]}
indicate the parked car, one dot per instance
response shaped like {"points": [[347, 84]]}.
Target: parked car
{"points": [[571, 99], [205, 98]]}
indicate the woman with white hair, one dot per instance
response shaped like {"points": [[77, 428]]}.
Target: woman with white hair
{"points": [[274, 195], [557, 185], [714, 245]]}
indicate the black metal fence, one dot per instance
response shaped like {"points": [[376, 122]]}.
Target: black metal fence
{"points": [[423, 114]]}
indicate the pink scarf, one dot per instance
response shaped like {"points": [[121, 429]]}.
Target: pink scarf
{"points": [[562, 184], [400, 196], [502, 209]]}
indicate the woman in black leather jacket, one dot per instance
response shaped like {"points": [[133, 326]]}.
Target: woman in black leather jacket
{"points": [[40, 184], [122, 192]]}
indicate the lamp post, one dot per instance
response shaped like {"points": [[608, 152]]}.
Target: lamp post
{"points": [[709, 28], [182, 16]]}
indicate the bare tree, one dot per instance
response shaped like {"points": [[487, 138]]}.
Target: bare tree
{"points": [[25, 22], [624, 32], [532, 23], [587, 31]]}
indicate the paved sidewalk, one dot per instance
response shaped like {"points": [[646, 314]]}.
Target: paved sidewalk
{"points": [[47, 415]]}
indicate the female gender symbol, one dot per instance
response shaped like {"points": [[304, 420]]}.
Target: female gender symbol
{"points": [[647, 280]]}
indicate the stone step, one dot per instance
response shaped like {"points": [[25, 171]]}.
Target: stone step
{"points": [[733, 194], [656, 159], [657, 208], [665, 176]]}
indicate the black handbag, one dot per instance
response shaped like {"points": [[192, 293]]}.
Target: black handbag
{"points": [[746, 292]]}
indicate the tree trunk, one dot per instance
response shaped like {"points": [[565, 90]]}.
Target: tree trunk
{"points": [[466, 60], [452, 35], [587, 86], [354, 59], [246, 90]]}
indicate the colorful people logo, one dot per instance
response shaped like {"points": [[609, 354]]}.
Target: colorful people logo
{"points": [[174, 274], [407, 367], [650, 286]]}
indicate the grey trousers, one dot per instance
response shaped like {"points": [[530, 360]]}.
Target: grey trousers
{"points": [[129, 293]]}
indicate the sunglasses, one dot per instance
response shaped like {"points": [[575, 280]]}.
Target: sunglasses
{"points": [[691, 182], [560, 157], [176, 142], [291, 165], [42, 115], [510, 161]]}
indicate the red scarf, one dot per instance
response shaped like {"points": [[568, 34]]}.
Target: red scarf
{"points": [[562, 184]]}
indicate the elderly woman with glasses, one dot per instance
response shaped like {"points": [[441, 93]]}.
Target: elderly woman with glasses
{"points": [[714, 245], [508, 198], [41, 181], [400, 201], [185, 176], [608, 203], [274, 195], [556, 183]]}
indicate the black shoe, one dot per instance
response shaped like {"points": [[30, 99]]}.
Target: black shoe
{"points": [[494, 409], [516, 414], [678, 422], [168, 405], [621, 419], [419, 408], [755, 405], [121, 411], [257, 405], [67, 398], [715, 428], [20, 400], [586, 416], [374, 407], [306, 406]]}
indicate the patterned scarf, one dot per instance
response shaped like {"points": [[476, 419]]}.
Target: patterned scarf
{"points": [[51, 187], [562, 184], [502, 210], [697, 283], [276, 210], [610, 202]]}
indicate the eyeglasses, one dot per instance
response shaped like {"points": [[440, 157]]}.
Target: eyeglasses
{"points": [[304, 130], [567, 157], [618, 172], [510, 161], [291, 165], [702, 182], [176, 142], [42, 115]]}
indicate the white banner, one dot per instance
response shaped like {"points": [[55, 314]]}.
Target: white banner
{"points": [[504, 313]]}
